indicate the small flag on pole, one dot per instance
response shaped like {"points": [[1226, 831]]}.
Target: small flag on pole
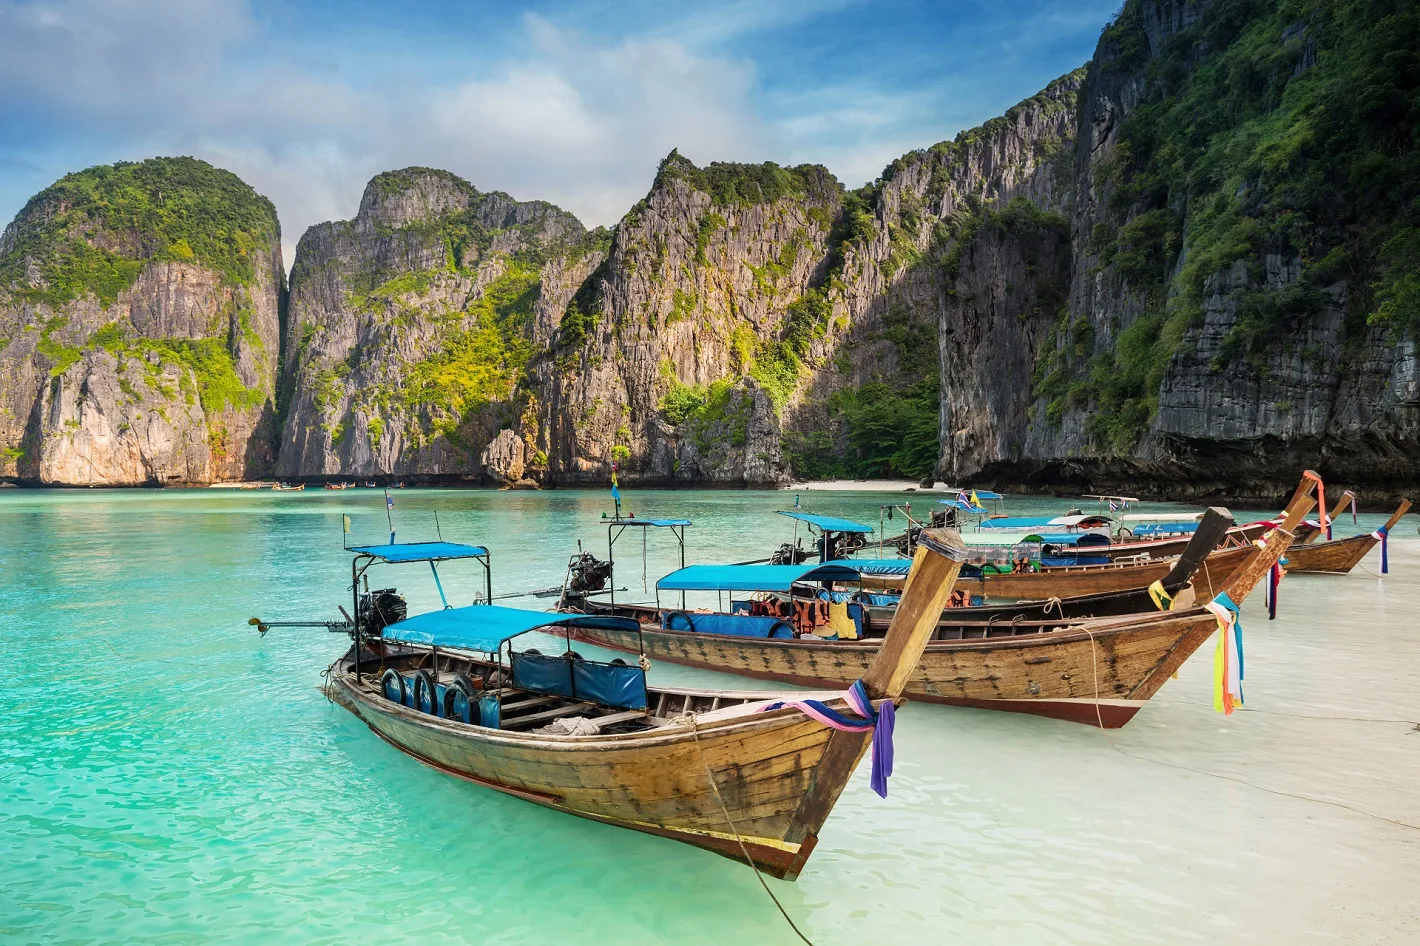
{"points": [[796, 500], [389, 501], [345, 521]]}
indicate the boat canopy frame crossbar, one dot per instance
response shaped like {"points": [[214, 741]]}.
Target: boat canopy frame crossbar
{"points": [[408, 553], [614, 529]]}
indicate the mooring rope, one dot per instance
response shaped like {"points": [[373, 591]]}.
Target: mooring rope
{"points": [[695, 731]]}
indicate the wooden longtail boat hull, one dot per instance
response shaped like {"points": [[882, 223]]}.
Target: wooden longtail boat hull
{"points": [[1058, 673], [1338, 556], [654, 781], [1075, 580]]}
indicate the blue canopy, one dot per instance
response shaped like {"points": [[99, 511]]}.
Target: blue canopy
{"points": [[753, 577], [1086, 539], [422, 551], [484, 627], [1015, 523], [1165, 528], [876, 566], [650, 523], [987, 494], [964, 507], [828, 523]]}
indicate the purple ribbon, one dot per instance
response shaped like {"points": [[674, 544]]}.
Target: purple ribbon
{"points": [[879, 721]]}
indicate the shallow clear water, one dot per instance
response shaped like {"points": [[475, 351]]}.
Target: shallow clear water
{"points": [[168, 776]]}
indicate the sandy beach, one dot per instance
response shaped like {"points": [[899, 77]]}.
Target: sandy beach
{"points": [[865, 486]]}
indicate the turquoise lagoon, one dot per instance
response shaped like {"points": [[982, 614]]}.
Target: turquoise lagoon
{"points": [[166, 775]]}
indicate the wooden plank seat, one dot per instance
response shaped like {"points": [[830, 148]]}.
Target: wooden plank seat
{"points": [[531, 701], [572, 709]]}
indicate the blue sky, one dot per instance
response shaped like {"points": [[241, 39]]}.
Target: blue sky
{"points": [[569, 102]]}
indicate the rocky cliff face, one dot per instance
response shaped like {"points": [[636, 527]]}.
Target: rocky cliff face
{"points": [[1187, 268], [139, 328], [409, 326], [1239, 290], [680, 351]]}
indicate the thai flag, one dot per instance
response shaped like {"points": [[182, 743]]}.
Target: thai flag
{"points": [[963, 498], [1113, 506]]}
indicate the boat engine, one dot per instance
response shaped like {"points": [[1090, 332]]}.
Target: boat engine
{"points": [[379, 609], [587, 573], [788, 554]]}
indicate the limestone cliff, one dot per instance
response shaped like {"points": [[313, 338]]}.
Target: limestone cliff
{"points": [[1242, 237], [139, 328], [681, 350], [410, 325]]}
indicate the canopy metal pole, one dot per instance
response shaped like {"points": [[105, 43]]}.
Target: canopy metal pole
{"points": [[611, 562], [488, 577], [355, 601], [438, 584], [680, 535]]}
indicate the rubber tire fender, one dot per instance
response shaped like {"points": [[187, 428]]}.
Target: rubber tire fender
{"points": [[424, 681], [385, 678], [461, 684], [672, 615]]}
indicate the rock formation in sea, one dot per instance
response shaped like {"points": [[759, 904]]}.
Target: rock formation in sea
{"points": [[139, 328]]}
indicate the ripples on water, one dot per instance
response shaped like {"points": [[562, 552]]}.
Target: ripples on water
{"points": [[168, 776]]}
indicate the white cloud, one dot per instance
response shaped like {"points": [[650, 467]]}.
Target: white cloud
{"points": [[556, 113], [570, 121]]}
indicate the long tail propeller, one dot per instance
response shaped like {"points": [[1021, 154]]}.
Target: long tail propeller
{"points": [[333, 626]]}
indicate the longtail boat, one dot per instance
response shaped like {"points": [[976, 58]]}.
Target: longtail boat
{"points": [[876, 611], [1339, 556], [1097, 670], [744, 774]]}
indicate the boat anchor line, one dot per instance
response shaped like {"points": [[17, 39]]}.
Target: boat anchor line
{"points": [[689, 718]]}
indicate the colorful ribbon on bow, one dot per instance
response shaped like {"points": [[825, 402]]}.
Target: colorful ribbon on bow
{"points": [[1274, 579], [879, 721], [1381, 534], [1228, 655], [1320, 501], [1161, 598], [1353, 510]]}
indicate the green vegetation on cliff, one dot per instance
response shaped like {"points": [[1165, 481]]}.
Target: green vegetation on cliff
{"points": [[1295, 135], [745, 185], [481, 353], [93, 231]]}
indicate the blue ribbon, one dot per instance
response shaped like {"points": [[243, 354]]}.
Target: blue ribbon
{"points": [[1226, 601]]}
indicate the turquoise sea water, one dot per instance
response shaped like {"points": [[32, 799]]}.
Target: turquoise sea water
{"points": [[168, 776]]}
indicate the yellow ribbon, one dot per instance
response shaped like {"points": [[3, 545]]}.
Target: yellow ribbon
{"points": [[1162, 599]]}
